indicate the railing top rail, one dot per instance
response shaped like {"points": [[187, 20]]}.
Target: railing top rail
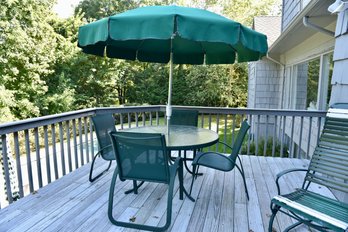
{"points": [[30, 123], [279, 112], [51, 119]]}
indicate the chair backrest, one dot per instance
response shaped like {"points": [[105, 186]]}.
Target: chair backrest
{"points": [[103, 124], [184, 117], [141, 156], [239, 140], [329, 163]]}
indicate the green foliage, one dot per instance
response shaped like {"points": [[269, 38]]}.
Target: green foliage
{"points": [[43, 71], [94, 10], [261, 146], [313, 82], [244, 11], [30, 49], [217, 85], [6, 102]]}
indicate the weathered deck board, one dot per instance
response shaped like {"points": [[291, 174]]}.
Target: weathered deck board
{"points": [[73, 204]]}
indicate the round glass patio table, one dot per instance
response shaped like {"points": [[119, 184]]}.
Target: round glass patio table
{"points": [[181, 137]]}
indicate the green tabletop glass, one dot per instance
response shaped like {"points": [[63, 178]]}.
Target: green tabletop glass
{"points": [[182, 137]]}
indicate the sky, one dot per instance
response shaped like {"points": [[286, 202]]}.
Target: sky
{"points": [[65, 8]]}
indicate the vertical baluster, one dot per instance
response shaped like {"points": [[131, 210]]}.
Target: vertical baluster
{"points": [[38, 157], [225, 132], [319, 129], [292, 143], [55, 162], [85, 125], [150, 114], [75, 144], [209, 126], [67, 125], [30, 172], [233, 128], [18, 164], [202, 124], [300, 140], [6, 168], [274, 134], [81, 142], [209, 121], [47, 155], [121, 121], [91, 137], [143, 115], [282, 137], [157, 118], [249, 133], [266, 137], [61, 142], [217, 129], [309, 137], [129, 120], [257, 135], [136, 120]]}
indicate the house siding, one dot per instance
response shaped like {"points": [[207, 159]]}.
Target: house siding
{"points": [[264, 88], [301, 86], [251, 84], [290, 9], [339, 78]]}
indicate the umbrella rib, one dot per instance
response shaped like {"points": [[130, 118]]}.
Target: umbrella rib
{"points": [[138, 48]]}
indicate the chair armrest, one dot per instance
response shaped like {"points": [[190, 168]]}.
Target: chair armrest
{"points": [[197, 158], [280, 174], [102, 149], [226, 145]]}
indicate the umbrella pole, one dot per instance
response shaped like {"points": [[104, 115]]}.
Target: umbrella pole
{"points": [[169, 106]]}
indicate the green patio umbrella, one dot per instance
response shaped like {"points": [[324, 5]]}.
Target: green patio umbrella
{"points": [[172, 34]]}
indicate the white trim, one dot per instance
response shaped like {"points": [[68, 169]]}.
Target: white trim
{"points": [[312, 57], [314, 213]]}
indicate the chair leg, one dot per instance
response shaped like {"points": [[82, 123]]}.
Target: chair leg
{"points": [[241, 170], [186, 166], [181, 180], [292, 226], [193, 177], [139, 226], [91, 179], [245, 186], [135, 187], [274, 209]]}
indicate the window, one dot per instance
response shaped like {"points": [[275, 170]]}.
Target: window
{"points": [[311, 84]]}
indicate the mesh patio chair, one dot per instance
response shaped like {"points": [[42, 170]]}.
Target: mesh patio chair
{"points": [[185, 117], [143, 157], [328, 168], [222, 162], [103, 124]]}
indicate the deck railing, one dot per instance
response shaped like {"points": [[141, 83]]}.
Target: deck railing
{"points": [[37, 151]]}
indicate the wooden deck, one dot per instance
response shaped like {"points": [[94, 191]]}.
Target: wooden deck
{"points": [[72, 203]]}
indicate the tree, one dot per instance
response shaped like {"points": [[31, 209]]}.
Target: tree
{"points": [[244, 11], [100, 81], [6, 102], [29, 50]]}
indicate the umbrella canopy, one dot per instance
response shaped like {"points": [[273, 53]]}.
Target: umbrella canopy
{"points": [[197, 36], [179, 35]]}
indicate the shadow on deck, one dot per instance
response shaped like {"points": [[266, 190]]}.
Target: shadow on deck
{"points": [[72, 203]]}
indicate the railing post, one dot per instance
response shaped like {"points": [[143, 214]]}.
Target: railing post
{"points": [[5, 164], [29, 165], [38, 156]]}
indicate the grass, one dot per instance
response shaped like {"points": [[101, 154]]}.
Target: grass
{"points": [[227, 127]]}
